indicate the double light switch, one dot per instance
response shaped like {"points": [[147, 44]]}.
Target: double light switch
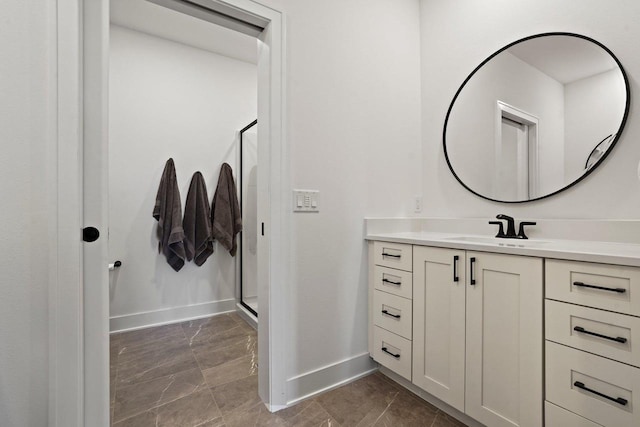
{"points": [[305, 200]]}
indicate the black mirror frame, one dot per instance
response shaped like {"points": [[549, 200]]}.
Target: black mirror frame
{"points": [[584, 175]]}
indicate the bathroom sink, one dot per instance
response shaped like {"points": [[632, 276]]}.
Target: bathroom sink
{"points": [[516, 243]]}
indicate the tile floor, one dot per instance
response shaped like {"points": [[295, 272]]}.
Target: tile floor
{"points": [[204, 373]]}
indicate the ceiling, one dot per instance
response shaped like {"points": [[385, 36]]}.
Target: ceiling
{"points": [[564, 58], [150, 18]]}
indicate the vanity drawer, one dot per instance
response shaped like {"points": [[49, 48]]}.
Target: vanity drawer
{"points": [[556, 416], [570, 371], [392, 351], [394, 255], [392, 313], [393, 281], [618, 335], [610, 287]]}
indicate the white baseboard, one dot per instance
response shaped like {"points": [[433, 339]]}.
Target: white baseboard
{"points": [[248, 317], [328, 377], [169, 315]]}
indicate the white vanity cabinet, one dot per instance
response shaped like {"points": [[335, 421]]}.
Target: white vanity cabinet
{"points": [[509, 333], [477, 342]]}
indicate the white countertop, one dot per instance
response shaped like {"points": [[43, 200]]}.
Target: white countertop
{"points": [[577, 250]]}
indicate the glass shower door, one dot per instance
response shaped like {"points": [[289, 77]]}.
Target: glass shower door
{"points": [[248, 206]]}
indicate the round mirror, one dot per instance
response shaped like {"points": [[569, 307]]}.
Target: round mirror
{"points": [[528, 119]]}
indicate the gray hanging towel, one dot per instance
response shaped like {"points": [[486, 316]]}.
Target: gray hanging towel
{"points": [[225, 211], [168, 212], [198, 237]]}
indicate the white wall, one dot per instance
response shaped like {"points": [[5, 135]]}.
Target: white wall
{"points": [[353, 128], [168, 100], [594, 107], [28, 217], [457, 36], [471, 130]]}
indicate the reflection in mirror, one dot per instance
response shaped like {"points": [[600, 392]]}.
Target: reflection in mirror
{"points": [[522, 124], [599, 150]]}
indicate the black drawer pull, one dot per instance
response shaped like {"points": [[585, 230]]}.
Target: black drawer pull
{"points": [[602, 288], [455, 268], [391, 255], [397, 316], [472, 262], [618, 400], [595, 334], [391, 282], [397, 356]]}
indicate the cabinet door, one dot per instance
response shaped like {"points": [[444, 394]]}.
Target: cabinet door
{"points": [[504, 340], [438, 321]]}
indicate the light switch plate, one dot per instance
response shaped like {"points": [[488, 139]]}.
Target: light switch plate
{"points": [[305, 201]]}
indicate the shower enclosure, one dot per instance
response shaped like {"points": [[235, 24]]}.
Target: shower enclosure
{"points": [[248, 206]]}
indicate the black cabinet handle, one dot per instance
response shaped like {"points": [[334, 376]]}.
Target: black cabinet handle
{"points": [[455, 268], [472, 262], [584, 331], [618, 400], [397, 316], [397, 356], [602, 288], [391, 282], [391, 255]]}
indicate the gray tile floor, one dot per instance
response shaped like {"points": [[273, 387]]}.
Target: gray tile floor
{"points": [[204, 373]]}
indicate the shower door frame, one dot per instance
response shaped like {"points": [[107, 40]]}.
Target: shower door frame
{"points": [[241, 186]]}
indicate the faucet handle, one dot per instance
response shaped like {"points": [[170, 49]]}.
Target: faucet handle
{"points": [[500, 230], [521, 234], [511, 226]]}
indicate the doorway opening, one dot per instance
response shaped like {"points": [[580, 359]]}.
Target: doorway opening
{"points": [[179, 89], [84, 41]]}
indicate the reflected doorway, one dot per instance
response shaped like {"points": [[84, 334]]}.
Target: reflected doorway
{"points": [[516, 154]]}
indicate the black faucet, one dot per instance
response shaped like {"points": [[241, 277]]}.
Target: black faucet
{"points": [[511, 226]]}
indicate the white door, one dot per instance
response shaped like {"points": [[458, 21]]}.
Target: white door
{"points": [[504, 340], [439, 323]]}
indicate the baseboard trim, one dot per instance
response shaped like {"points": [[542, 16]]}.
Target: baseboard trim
{"points": [[328, 377], [247, 316], [167, 316]]}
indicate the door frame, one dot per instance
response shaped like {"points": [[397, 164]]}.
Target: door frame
{"points": [[79, 344]]}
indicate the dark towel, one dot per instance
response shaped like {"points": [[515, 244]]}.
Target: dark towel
{"points": [[225, 211], [168, 212], [198, 237]]}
